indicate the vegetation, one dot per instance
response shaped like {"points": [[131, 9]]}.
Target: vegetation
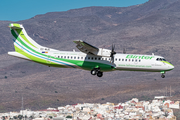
{"points": [[177, 114], [68, 116], [20, 117], [15, 117]]}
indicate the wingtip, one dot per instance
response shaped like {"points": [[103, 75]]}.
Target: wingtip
{"points": [[77, 41]]}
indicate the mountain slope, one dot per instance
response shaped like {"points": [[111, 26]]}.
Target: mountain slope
{"points": [[152, 27]]}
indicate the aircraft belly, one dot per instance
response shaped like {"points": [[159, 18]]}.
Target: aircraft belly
{"points": [[147, 68], [16, 54], [139, 69]]}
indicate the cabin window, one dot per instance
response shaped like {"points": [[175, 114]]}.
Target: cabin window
{"points": [[89, 58], [92, 58], [78, 58], [122, 59], [136, 60], [71, 57], [58, 56], [139, 60], [74, 57], [116, 59], [132, 60], [81, 57], [64, 56], [68, 57], [119, 59], [102, 58], [99, 58], [105, 58], [95, 58], [129, 60], [61, 56], [125, 59]]}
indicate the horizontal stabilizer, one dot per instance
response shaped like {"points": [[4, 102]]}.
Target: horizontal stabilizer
{"points": [[15, 26], [16, 54]]}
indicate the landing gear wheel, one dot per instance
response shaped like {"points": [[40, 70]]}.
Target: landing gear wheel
{"points": [[163, 76], [93, 72], [100, 74]]}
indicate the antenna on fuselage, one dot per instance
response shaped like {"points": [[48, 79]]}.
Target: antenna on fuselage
{"points": [[124, 50]]}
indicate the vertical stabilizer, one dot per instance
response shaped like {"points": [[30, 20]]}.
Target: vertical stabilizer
{"points": [[21, 38]]}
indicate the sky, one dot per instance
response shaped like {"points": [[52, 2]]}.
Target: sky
{"points": [[15, 10]]}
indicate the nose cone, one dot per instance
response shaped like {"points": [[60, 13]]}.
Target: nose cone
{"points": [[171, 66]]}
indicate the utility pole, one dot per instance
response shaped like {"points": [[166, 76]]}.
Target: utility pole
{"points": [[22, 107], [22, 104], [170, 91]]}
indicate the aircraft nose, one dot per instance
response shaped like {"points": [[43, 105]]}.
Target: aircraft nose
{"points": [[172, 66]]}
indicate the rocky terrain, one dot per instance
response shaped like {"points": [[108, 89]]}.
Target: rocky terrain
{"points": [[152, 27]]}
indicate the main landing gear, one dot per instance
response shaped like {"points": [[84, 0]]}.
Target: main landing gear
{"points": [[96, 71]]}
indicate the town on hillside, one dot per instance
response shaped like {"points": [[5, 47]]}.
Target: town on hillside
{"points": [[158, 109]]}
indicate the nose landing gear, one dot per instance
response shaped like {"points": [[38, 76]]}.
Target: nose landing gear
{"points": [[163, 74]]}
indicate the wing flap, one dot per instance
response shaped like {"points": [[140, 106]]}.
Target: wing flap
{"points": [[86, 47], [89, 49]]}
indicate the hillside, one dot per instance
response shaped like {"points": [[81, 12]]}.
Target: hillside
{"points": [[152, 27]]}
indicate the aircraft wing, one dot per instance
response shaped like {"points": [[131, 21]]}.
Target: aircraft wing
{"points": [[86, 47]]}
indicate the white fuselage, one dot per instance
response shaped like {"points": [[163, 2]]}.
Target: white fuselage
{"points": [[129, 62]]}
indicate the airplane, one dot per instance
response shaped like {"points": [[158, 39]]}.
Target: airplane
{"points": [[96, 60]]}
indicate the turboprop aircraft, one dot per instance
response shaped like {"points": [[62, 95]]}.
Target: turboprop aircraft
{"points": [[96, 60]]}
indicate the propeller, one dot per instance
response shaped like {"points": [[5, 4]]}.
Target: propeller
{"points": [[112, 53]]}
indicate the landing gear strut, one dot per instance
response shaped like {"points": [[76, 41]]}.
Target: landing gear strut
{"points": [[96, 71]]}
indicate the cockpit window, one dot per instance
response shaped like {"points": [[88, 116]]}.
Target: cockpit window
{"points": [[160, 59], [164, 59]]}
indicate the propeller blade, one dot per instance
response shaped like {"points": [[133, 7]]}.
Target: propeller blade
{"points": [[112, 53]]}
